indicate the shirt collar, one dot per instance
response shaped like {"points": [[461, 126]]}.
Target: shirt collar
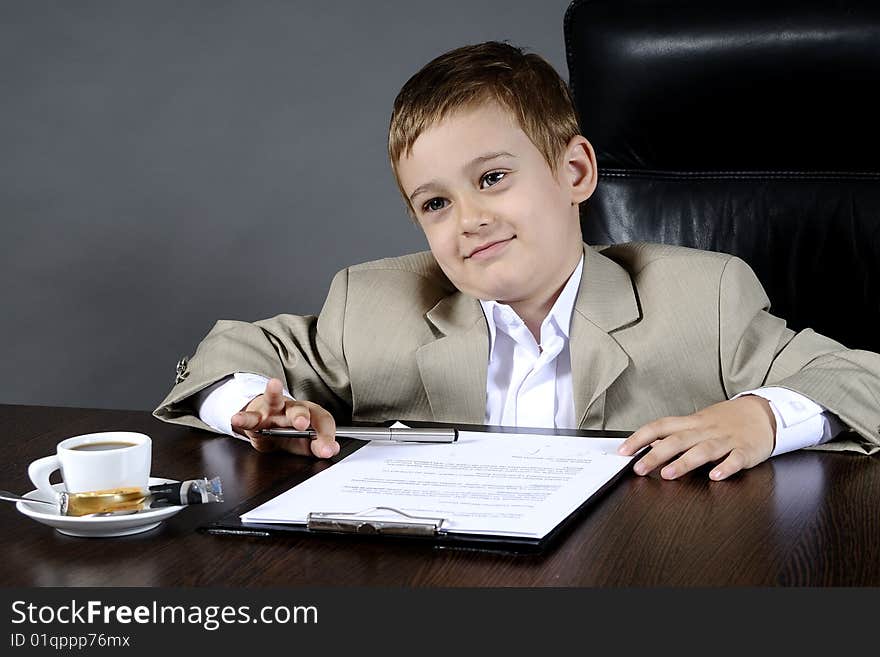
{"points": [[560, 313]]}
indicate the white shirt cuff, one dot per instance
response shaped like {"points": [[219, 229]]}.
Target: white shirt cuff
{"points": [[800, 422], [227, 397]]}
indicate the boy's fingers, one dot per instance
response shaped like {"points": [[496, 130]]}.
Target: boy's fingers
{"points": [[245, 420], [324, 445], [273, 395], [735, 462], [698, 455], [246, 423], [666, 449], [299, 416], [652, 431]]}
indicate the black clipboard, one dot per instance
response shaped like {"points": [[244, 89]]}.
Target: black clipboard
{"points": [[411, 529]]}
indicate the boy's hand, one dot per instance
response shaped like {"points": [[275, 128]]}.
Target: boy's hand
{"points": [[273, 410], [743, 430]]}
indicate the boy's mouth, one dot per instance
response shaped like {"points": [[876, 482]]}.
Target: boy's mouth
{"points": [[489, 248]]}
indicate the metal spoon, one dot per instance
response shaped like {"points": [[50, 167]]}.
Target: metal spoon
{"points": [[12, 497]]}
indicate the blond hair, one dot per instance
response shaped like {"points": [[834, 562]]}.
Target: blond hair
{"points": [[524, 84]]}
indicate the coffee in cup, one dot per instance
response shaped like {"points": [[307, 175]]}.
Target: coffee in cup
{"points": [[104, 461], [100, 447]]}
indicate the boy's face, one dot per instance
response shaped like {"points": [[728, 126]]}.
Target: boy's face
{"points": [[498, 220]]}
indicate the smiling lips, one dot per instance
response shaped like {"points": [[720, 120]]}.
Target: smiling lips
{"points": [[489, 249]]}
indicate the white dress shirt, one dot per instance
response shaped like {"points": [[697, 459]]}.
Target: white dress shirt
{"points": [[530, 384], [800, 422]]}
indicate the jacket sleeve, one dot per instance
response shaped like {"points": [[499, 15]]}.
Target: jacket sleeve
{"points": [[757, 349], [305, 352]]}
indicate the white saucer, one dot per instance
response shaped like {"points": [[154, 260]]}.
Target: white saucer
{"points": [[97, 527]]}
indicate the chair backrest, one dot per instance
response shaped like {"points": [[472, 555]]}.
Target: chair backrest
{"points": [[744, 127]]}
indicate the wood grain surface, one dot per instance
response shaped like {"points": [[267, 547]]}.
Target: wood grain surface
{"points": [[802, 519]]}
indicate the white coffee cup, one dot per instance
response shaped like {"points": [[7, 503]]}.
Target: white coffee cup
{"points": [[96, 461]]}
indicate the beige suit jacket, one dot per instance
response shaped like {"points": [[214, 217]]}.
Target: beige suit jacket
{"points": [[656, 330]]}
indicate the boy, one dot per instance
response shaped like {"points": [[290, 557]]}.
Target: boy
{"points": [[511, 320]]}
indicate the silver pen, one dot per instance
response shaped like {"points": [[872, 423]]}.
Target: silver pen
{"points": [[403, 435]]}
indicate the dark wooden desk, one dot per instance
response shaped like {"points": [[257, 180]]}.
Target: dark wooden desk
{"points": [[806, 518]]}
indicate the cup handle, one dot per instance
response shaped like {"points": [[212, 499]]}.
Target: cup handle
{"points": [[39, 472]]}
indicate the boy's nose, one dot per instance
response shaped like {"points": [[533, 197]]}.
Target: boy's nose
{"points": [[473, 216]]}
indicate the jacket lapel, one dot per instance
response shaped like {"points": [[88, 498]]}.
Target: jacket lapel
{"points": [[453, 367], [605, 302]]}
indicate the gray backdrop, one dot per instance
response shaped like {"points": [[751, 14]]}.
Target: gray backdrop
{"points": [[168, 164]]}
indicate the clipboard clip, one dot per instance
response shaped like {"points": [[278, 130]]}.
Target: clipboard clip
{"points": [[361, 523]]}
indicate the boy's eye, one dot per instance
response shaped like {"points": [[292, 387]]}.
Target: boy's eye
{"points": [[491, 178], [434, 205]]}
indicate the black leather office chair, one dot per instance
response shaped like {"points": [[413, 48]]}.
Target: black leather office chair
{"points": [[744, 127]]}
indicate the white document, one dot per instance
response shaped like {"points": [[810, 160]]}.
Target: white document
{"points": [[507, 484]]}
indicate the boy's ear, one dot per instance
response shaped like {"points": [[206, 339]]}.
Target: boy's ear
{"points": [[581, 172]]}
